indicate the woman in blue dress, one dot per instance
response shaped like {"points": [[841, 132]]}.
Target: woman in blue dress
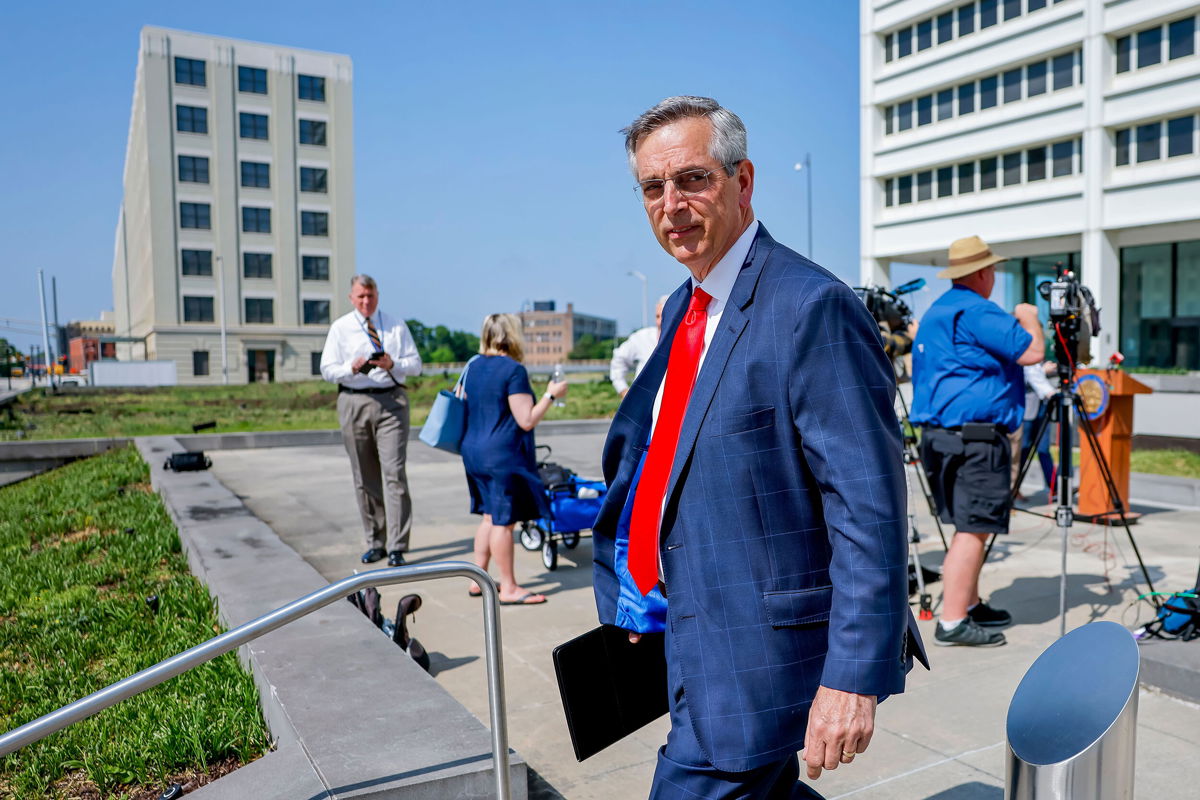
{"points": [[498, 449]]}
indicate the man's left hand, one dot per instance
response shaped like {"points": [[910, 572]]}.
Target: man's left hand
{"points": [[384, 362], [840, 726]]}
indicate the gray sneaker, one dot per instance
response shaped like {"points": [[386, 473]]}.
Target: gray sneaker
{"points": [[968, 634]]}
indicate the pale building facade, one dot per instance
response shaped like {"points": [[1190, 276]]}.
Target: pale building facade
{"points": [[550, 335]]}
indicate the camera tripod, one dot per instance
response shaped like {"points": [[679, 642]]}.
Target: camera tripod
{"points": [[1058, 409], [912, 458]]}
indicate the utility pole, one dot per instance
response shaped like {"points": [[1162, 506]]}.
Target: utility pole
{"points": [[60, 343], [45, 329]]}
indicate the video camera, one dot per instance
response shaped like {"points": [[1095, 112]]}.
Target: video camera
{"points": [[1073, 316], [891, 313]]}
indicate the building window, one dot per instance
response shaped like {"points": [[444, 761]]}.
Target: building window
{"points": [[1012, 8], [945, 27], [314, 179], [310, 87], [314, 223], [314, 362], [988, 13], [1064, 71], [252, 126], [924, 185], [1063, 155], [1181, 38], [256, 265], [1160, 305], [966, 177], [1034, 5], [904, 42], [889, 119], [260, 311], [199, 362], [987, 173], [191, 119], [945, 181], [1035, 164], [256, 220], [905, 187], [1149, 47], [256, 174], [1012, 169], [966, 98], [189, 71], [314, 268], [1012, 85], [987, 92], [1035, 79], [312, 132], [925, 109], [252, 80], [1179, 136], [316, 312], [196, 262], [1148, 144], [924, 34], [195, 215], [889, 187], [193, 169], [1121, 146], [1124, 53], [888, 43], [197, 309], [904, 113], [966, 19]]}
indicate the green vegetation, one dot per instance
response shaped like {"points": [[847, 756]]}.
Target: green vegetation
{"points": [[588, 348], [1157, 370], [1181, 463], [81, 550], [438, 344]]}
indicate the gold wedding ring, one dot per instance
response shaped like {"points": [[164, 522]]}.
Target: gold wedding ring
{"points": [[848, 754]]}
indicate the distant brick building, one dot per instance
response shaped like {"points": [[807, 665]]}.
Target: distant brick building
{"points": [[550, 334]]}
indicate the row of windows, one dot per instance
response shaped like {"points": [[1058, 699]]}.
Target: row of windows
{"points": [[1010, 86], [952, 24], [1156, 45], [257, 175], [194, 119], [254, 219], [200, 362], [1055, 160], [1155, 140], [258, 310], [198, 263], [253, 80]]}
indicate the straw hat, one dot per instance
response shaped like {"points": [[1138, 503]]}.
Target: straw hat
{"points": [[969, 255]]}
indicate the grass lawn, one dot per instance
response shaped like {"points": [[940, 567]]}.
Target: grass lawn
{"points": [[1166, 462], [307, 405], [81, 550]]}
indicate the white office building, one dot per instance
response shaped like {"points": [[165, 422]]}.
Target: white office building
{"points": [[235, 241], [1058, 130]]}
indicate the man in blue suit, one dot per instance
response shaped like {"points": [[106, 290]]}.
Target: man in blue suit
{"points": [[756, 503]]}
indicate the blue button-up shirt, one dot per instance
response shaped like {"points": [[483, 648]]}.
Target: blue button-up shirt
{"points": [[965, 363]]}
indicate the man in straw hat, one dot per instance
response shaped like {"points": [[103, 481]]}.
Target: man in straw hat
{"points": [[968, 393]]}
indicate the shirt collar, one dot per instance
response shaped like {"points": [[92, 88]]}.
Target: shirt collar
{"points": [[719, 282]]}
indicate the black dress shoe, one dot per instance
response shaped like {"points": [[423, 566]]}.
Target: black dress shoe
{"points": [[373, 555], [395, 558]]}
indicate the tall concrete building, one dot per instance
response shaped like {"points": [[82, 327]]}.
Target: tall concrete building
{"points": [[1058, 130], [235, 240]]}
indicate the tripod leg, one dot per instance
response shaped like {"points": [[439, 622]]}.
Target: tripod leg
{"points": [[1040, 430], [913, 456]]}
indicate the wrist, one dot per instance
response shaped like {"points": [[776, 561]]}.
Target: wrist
{"points": [[549, 396]]}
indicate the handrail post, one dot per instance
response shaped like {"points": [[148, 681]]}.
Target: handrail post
{"points": [[204, 652]]}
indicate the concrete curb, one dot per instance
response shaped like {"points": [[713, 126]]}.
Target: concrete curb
{"points": [[352, 714], [1173, 667], [1166, 489]]}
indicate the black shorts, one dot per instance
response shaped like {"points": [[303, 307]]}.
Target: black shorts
{"points": [[970, 480]]}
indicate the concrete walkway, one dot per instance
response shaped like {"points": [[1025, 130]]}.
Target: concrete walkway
{"points": [[943, 738]]}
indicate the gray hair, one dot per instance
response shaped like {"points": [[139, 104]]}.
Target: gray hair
{"points": [[366, 281], [727, 145]]}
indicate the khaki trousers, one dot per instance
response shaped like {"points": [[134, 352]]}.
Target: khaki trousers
{"points": [[375, 433]]}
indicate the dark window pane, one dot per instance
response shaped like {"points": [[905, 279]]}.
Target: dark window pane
{"points": [[1012, 8], [256, 265], [1148, 145], [260, 310], [252, 126], [966, 19], [966, 98], [314, 223], [1012, 85], [1181, 38], [945, 27], [313, 179], [904, 42], [1035, 164], [1121, 146], [315, 268], [925, 109], [889, 44], [312, 132], [924, 185], [945, 104], [196, 262], [1064, 71], [316, 312], [1124, 51], [197, 309], [988, 13], [189, 71], [945, 181], [925, 34], [966, 177], [1034, 5], [1179, 135], [889, 187], [905, 114], [199, 362], [889, 119], [1062, 153], [252, 79], [1149, 47], [1012, 169], [314, 361], [194, 215], [311, 88], [987, 92], [905, 186], [191, 119], [1035, 78], [193, 169], [987, 173], [256, 220], [255, 174]]}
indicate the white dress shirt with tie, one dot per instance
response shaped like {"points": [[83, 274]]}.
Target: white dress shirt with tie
{"points": [[348, 339]]}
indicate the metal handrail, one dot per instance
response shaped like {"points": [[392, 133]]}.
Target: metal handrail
{"points": [[219, 645]]}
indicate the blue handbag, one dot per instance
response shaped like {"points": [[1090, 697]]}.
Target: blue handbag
{"points": [[447, 420]]}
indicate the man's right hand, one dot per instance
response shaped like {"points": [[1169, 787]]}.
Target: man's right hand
{"points": [[634, 638], [357, 363]]}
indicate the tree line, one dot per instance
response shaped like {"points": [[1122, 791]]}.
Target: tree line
{"points": [[437, 344]]}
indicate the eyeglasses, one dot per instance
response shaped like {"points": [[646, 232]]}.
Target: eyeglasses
{"points": [[694, 181]]}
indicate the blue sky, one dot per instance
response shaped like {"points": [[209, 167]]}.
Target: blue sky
{"points": [[489, 168]]}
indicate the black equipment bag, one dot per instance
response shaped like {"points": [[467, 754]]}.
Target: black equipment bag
{"points": [[188, 461]]}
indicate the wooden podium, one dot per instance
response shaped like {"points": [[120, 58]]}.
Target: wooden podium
{"points": [[1114, 433]]}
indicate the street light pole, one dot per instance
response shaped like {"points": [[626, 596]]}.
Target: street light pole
{"points": [[45, 330], [806, 166], [642, 278]]}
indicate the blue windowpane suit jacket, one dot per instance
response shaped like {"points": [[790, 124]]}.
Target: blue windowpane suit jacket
{"points": [[783, 539]]}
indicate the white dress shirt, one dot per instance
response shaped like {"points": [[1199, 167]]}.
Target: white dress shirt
{"points": [[1037, 389], [348, 339], [632, 355]]}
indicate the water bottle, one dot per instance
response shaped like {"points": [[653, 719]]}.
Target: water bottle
{"points": [[556, 376]]}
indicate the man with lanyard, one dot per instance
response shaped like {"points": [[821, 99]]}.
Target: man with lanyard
{"points": [[968, 393], [367, 354]]}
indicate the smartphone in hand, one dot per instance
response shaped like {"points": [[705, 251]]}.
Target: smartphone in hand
{"points": [[370, 364]]}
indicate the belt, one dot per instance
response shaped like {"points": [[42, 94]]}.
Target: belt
{"points": [[380, 390], [1003, 429]]}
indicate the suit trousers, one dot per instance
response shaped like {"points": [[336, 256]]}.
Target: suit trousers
{"points": [[683, 772], [375, 433]]}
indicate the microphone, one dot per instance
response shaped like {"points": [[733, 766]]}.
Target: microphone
{"points": [[911, 286]]}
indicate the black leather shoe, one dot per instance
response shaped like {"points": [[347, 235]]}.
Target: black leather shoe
{"points": [[396, 558], [373, 555]]}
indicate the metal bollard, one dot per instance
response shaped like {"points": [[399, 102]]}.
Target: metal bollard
{"points": [[1072, 723]]}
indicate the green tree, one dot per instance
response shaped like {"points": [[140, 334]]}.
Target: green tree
{"points": [[588, 348], [442, 355], [435, 342]]}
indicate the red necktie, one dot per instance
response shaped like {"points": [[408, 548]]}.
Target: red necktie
{"points": [[648, 501]]}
